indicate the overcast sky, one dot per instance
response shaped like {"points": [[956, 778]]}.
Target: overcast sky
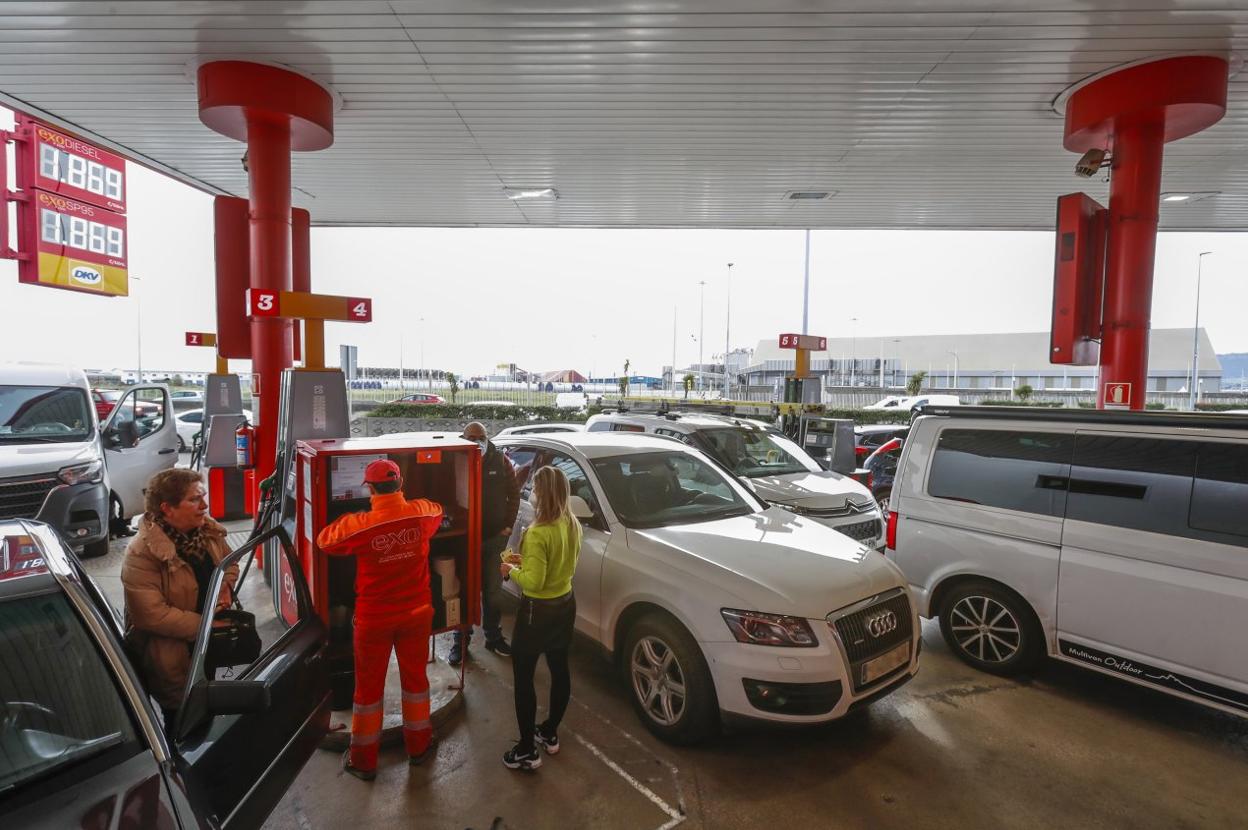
{"points": [[588, 299]]}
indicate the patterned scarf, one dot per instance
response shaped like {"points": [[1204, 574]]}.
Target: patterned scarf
{"points": [[191, 545]]}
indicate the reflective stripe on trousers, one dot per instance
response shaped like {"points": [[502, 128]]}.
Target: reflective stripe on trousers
{"points": [[373, 641]]}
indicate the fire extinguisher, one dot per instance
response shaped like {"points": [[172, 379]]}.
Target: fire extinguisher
{"points": [[244, 445]]}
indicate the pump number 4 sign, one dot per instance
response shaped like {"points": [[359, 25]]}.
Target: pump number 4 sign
{"points": [[301, 305]]}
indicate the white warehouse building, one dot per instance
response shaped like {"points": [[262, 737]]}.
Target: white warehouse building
{"points": [[979, 361]]}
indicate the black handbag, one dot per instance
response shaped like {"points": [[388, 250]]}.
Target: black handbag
{"points": [[234, 644]]}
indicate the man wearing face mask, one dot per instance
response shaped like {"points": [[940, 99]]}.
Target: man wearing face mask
{"points": [[500, 501]]}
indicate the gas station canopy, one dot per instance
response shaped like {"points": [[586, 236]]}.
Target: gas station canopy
{"points": [[686, 113]]}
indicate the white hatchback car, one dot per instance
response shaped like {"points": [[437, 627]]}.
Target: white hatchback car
{"points": [[713, 603], [189, 425]]}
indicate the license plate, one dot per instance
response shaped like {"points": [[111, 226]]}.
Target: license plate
{"points": [[885, 663]]}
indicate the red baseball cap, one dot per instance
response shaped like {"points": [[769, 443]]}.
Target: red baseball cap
{"points": [[380, 471]]}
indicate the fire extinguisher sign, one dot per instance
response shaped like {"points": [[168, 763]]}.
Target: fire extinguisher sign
{"points": [[1117, 396]]}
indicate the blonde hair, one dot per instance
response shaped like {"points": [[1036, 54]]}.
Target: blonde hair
{"points": [[550, 496]]}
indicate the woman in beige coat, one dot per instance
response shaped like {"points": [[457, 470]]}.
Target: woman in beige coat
{"points": [[166, 572]]}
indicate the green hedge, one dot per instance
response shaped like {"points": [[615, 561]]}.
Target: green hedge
{"points": [[1219, 407], [460, 412]]}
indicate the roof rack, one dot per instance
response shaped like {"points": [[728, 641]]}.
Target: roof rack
{"points": [[1212, 420]]}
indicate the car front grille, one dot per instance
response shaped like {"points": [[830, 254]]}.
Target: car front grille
{"points": [[21, 498], [861, 531], [860, 644]]}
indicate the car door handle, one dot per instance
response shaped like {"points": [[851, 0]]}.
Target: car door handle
{"points": [[167, 451]]}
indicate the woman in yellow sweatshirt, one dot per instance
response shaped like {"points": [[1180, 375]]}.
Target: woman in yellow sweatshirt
{"points": [[547, 614]]}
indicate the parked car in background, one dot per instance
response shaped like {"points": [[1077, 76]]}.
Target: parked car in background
{"points": [[421, 397], [870, 437], [504, 404], [82, 745], [185, 397], [539, 429], [914, 402], [191, 422], [104, 401], [881, 468], [61, 464], [777, 469], [714, 604], [1115, 541]]}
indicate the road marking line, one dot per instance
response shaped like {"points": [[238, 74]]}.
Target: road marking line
{"points": [[670, 811]]}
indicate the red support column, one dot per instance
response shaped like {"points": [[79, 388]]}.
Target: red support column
{"points": [[1133, 112], [275, 111], [272, 347], [1134, 196]]}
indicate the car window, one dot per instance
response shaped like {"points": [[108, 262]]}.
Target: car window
{"points": [[616, 427], [1220, 492], [140, 415], [44, 415], [671, 433], [755, 453], [59, 705], [193, 417], [663, 488], [1016, 470], [1131, 481], [521, 459], [578, 482]]}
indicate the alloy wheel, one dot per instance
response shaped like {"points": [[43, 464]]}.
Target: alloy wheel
{"points": [[658, 681], [985, 629]]}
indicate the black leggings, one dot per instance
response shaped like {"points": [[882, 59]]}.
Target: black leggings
{"points": [[542, 627]]}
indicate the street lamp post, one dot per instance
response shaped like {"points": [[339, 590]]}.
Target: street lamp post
{"points": [[1194, 394], [727, 331], [955, 366], [428, 384], [853, 351], [701, 328], [138, 330]]}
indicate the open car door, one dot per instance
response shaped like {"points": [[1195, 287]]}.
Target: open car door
{"points": [[244, 731], [140, 439]]}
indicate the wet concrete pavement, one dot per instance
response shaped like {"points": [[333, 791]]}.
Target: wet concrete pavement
{"points": [[954, 749]]}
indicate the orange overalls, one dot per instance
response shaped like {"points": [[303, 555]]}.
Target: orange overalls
{"points": [[392, 610]]}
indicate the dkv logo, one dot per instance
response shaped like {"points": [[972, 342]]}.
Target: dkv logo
{"points": [[85, 274]]}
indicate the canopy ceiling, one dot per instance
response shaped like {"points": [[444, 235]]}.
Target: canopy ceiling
{"points": [[685, 113]]}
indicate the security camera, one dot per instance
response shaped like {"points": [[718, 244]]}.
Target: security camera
{"points": [[1089, 163]]}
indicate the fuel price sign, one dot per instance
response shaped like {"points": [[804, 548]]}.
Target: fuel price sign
{"points": [[71, 226], [70, 167]]}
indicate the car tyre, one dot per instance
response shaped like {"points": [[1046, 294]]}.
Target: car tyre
{"points": [[991, 628], [181, 444], [669, 683], [97, 548]]}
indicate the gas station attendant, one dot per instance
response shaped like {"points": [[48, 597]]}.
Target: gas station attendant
{"points": [[392, 610]]}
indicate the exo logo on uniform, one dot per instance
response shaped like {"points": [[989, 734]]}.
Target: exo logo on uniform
{"points": [[385, 543]]}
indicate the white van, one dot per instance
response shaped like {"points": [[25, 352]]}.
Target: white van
{"points": [[1117, 541], [59, 464]]}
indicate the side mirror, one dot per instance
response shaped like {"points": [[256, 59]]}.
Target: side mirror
{"points": [[580, 508], [112, 440], [237, 697]]}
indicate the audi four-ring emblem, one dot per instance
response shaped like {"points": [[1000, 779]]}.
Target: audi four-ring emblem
{"points": [[881, 624]]}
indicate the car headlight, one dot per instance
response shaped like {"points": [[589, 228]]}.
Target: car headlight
{"points": [[88, 473], [769, 629]]}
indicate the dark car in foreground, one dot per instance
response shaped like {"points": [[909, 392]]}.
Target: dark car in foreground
{"points": [[81, 744]]}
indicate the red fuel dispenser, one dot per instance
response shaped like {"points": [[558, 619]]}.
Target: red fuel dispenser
{"points": [[329, 483]]}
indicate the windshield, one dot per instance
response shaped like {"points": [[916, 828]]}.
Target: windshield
{"points": [[755, 453], [44, 414], [657, 489]]}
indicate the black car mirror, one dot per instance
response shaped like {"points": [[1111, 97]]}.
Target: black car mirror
{"points": [[237, 697]]}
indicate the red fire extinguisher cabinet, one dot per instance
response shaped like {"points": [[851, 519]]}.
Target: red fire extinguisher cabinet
{"points": [[329, 480]]}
